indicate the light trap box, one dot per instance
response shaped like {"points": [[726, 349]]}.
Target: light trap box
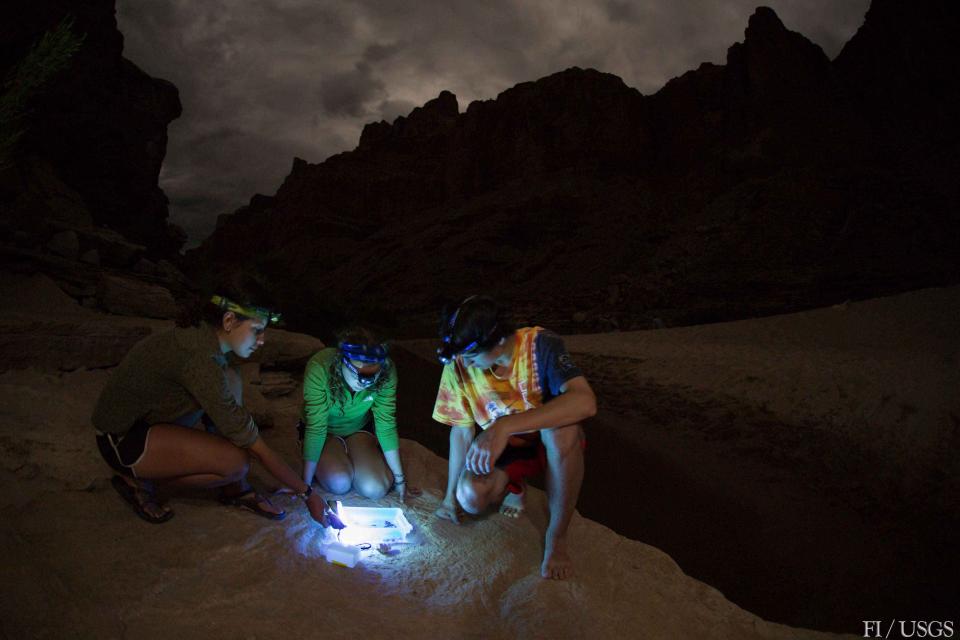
{"points": [[373, 525]]}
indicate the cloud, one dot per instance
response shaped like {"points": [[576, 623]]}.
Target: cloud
{"points": [[264, 81], [350, 92]]}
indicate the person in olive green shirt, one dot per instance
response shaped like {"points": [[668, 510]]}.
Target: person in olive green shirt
{"points": [[146, 414], [349, 426]]}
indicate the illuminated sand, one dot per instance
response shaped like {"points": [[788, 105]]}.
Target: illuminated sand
{"points": [[76, 561]]}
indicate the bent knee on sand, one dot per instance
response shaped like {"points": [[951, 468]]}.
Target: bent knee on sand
{"points": [[237, 468], [475, 493], [372, 488], [337, 482]]}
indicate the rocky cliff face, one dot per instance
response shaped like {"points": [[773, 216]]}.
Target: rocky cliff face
{"points": [[760, 186], [97, 133], [78, 190]]}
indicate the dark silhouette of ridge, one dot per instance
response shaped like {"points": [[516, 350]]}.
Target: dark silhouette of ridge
{"points": [[773, 183]]}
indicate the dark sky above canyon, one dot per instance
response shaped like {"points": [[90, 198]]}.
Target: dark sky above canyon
{"points": [[262, 82]]}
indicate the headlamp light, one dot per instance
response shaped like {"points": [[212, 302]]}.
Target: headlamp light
{"points": [[250, 311], [447, 353]]}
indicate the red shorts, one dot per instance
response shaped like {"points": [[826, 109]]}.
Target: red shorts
{"points": [[524, 457]]}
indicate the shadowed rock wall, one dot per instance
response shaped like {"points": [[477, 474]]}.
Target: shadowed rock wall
{"points": [[776, 182]]}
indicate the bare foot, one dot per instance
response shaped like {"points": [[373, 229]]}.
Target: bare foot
{"points": [[557, 564], [447, 511], [512, 505]]}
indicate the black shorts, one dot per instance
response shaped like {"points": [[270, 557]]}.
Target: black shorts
{"points": [[302, 431], [123, 450]]}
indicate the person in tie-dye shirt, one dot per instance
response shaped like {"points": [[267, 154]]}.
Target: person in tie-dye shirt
{"points": [[529, 399]]}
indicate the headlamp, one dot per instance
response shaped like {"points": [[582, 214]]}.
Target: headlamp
{"points": [[250, 311], [448, 351], [368, 354]]}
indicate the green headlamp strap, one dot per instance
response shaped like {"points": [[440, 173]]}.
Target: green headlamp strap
{"points": [[250, 311]]}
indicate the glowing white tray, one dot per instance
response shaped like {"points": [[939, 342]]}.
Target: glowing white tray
{"points": [[375, 525]]}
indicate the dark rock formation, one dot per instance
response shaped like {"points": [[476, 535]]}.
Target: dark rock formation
{"points": [[78, 190], [100, 129], [761, 186], [129, 297], [902, 67]]}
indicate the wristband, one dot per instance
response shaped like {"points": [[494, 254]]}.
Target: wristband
{"points": [[306, 494]]}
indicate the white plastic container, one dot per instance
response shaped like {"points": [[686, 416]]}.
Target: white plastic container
{"points": [[345, 555], [376, 525]]}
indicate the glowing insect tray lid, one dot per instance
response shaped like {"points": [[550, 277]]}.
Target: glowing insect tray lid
{"points": [[373, 524]]}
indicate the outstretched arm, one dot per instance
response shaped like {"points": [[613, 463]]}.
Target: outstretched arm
{"points": [[576, 403], [309, 468], [279, 469]]}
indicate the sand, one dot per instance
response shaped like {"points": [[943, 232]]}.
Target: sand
{"points": [[77, 563]]}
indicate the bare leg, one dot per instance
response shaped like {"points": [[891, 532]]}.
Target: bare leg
{"points": [[475, 493], [334, 469], [191, 457], [564, 477], [371, 477], [181, 456]]}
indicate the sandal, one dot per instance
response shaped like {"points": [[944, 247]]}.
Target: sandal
{"points": [[138, 498], [250, 500]]}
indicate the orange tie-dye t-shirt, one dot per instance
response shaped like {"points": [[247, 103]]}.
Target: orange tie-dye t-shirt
{"points": [[468, 395]]}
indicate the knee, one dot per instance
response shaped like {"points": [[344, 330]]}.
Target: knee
{"points": [[472, 496], [562, 441], [373, 488], [235, 465], [338, 482]]}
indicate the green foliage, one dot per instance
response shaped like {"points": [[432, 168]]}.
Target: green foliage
{"points": [[27, 79]]}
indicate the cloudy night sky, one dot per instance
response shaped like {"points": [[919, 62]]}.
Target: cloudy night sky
{"points": [[262, 82]]}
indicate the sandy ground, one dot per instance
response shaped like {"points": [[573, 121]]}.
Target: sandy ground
{"points": [[79, 564], [755, 481], [882, 373], [805, 465]]}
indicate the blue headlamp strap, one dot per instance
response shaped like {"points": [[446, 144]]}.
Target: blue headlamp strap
{"points": [[447, 352], [453, 320], [368, 354], [376, 353]]}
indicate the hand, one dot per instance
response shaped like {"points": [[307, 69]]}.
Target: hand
{"points": [[404, 490], [485, 450], [409, 492], [448, 510], [318, 509]]}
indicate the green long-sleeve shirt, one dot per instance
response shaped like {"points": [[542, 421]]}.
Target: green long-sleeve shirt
{"points": [[324, 414]]}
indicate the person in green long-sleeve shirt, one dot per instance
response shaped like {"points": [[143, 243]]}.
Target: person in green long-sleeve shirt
{"points": [[349, 427]]}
